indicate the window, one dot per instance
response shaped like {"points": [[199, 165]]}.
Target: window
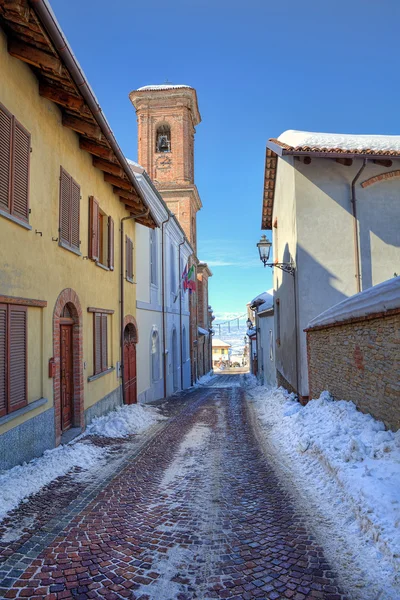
{"points": [[278, 322], [70, 200], [15, 147], [173, 271], [13, 358], [100, 343], [153, 256], [155, 355], [184, 344], [222, 350], [101, 235], [129, 258], [163, 139]]}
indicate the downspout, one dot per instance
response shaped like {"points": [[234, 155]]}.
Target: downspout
{"points": [[144, 214], [163, 304], [180, 307], [355, 225]]}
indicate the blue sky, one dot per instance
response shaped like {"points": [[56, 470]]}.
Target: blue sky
{"points": [[259, 68]]}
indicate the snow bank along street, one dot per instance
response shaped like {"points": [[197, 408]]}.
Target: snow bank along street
{"points": [[348, 467]]}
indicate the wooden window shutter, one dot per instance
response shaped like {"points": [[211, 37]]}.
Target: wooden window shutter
{"points": [[111, 243], [20, 172], [104, 342], [3, 357], [97, 343], [93, 228], [17, 342], [5, 158], [129, 258], [65, 203], [75, 213]]}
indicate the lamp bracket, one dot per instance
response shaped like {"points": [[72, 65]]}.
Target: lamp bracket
{"points": [[286, 267]]}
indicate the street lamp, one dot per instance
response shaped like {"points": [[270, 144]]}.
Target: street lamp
{"points": [[264, 248], [249, 323]]}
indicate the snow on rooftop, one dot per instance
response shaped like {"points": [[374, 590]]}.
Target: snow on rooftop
{"points": [[219, 343], [203, 331], [379, 298], [344, 141], [164, 86], [264, 301]]}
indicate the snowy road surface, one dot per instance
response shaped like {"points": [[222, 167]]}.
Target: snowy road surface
{"points": [[199, 512]]}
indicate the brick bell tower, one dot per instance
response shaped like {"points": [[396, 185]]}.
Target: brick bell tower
{"points": [[167, 116]]}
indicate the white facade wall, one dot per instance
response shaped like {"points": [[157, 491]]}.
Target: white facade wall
{"points": [[150, 347], [315, 226]]}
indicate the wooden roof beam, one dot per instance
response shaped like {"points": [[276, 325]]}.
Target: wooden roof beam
{"points": [[33, 56], [383, 162], [107, 167], [81, 126], [347, 162], [123, 194], [96, 149], [60, 96], [18, 7], [118, 182]]}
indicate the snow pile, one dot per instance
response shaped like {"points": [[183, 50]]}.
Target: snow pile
{"points": [[22, 481], [124, 421], [344, 141], [379, 298], [205, 379], [353, 447]]}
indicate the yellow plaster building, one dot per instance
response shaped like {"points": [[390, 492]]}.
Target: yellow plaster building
{"points": [[64, 189]]}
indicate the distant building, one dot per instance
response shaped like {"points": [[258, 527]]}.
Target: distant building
{"points": [[220, 352], [263, 311], [332, 203]]}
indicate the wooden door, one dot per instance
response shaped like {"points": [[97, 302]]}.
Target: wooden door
{"points": [[130, 384], [67, 377]]}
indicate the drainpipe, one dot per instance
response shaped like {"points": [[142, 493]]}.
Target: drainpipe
{"points": [[122, 280], [355, 225], [180, 307], [163, 303]]}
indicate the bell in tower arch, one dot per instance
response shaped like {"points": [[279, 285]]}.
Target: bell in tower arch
{"points": [[163, 143]]}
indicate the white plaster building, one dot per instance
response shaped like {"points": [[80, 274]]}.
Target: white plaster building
{"points": [[221, 352], [263, 311], [332, 203], [162, 318]]}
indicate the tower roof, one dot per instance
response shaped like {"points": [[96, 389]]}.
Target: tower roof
{"points": [[167, 91]]}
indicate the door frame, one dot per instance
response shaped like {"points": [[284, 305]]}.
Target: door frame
{"points": [[128, 320], [64, 322], [68, 296]]}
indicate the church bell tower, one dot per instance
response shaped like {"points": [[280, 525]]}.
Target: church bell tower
{"points": [[167, 116]]}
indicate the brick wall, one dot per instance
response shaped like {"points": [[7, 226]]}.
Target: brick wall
{"points": [[359, 360]]}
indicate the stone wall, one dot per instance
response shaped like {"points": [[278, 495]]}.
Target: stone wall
{"points": [[359, 360]]}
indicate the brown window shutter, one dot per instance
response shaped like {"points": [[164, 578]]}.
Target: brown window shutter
{"points": [[3, 356], [5, 158], [20, 172], [111, 243], [17, 335], [75, 214], [93, 228], [65, 203], [129, 258], [97, 343], [104, 358]]}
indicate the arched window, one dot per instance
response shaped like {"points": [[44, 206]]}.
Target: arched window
{"points": [[173, 270], [153, 256], [184, 348], [155, 355], [163, 139]]}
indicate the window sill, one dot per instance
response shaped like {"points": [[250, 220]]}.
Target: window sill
{"points": [[131, 280], [99, 264], [70, 248], [22, 411], [15, 220], [98, 375]]}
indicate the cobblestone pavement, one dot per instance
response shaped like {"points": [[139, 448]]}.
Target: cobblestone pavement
{"points": [[196, 514]]}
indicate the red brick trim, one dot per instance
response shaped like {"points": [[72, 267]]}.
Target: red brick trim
{"points": [[23, 301], [68, 296], [106, 311], [381, 177], [377, 315], [130, 319]]}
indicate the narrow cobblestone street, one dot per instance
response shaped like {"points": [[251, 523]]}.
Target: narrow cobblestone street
{"points": [[198, 513]]}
